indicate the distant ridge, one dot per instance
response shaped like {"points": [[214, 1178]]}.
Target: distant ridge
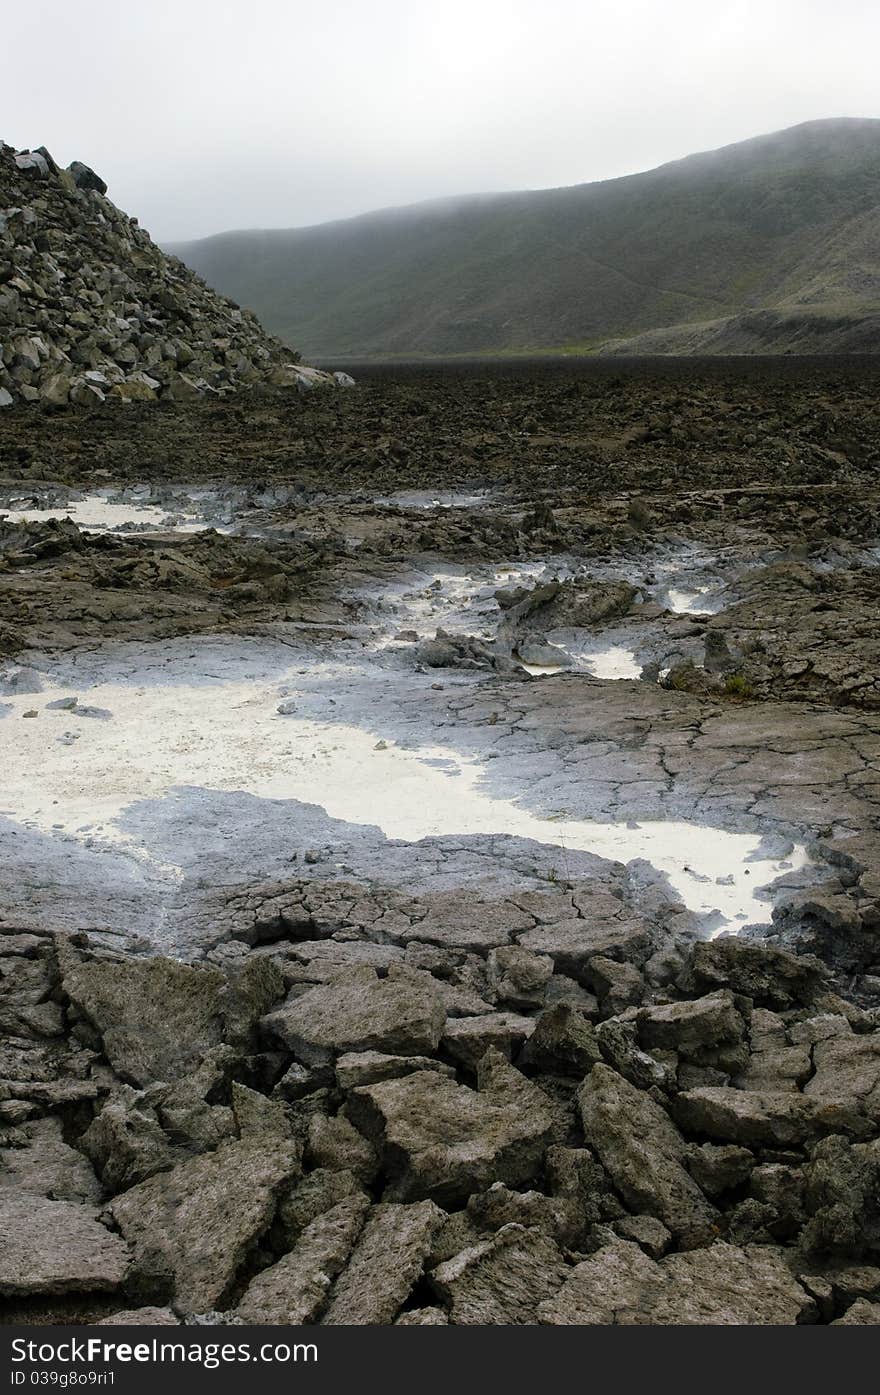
{"points": [[771, 245]]}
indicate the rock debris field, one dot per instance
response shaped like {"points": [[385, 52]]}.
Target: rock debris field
{"points": [[440, 842]]}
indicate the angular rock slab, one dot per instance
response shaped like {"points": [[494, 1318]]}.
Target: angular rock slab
{"points": [[387, 1261], [502, 1280], [643, 1153], [768, 1118], [722, 1285], [191, 1228], [442, 1140], [54, 1247], [293, 1291], [157, 1017], [358, 1011]]}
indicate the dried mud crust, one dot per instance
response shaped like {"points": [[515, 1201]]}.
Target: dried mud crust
{"points": [[363, 1102]]}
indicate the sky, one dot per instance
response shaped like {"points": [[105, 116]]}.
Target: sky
{"points": [[206, 115]]}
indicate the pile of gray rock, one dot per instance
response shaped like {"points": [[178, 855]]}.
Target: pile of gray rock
{"points": [[360, 1108], [91, 309]]}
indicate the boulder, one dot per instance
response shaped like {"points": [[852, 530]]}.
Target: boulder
{"points": [[294, 1290], [771, 977], [358, 1011], [644, 1154], [442, 1140], [355, 1068], [42, 1163], [55, 1247], [387, 1261], [693, 1028], [774, 1119], [563, 1042], [156, 1017], [502, 1280], [847, 1066], [517, 976], [467, 1039], [723, 1285], [191, 1228]]}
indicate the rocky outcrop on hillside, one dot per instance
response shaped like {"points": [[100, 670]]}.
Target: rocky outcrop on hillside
{"points": [[91, 309]]}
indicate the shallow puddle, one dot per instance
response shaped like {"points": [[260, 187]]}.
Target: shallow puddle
{"points": [[206, 715]]}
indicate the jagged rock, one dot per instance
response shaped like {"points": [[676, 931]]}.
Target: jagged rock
{"points": [[501, 1280], [722, 1285], [257, 1114], [861, 1314], [355, 1068], [358, 1011], [336, 1145], [841, 1185], [647, 1232], [574, 1176], [184, 1110], [191, 1228], [771, 977], [54, 1247], [140, 1317], [500, 1206], [847, 1067], [126, 1143], [293, 1291], [619, 985], [617, 1042], [467, 1039], [518, 977], [775, 1063], [717, 1168], [39, 1161], [692, 1028], [85, 178], [387, 1261], [317, 1193], [776, 1119], [156, 1017], [563, 1042], [644, 1154], [572, 944], [422, 1317], [442, 1140]]}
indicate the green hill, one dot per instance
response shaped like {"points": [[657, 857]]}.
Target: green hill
{"points": [[770, 245]]}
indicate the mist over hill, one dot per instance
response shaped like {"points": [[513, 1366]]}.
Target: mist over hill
{"points": [[771, 245]]}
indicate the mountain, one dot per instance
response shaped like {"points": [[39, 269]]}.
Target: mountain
{"points": [[770, 245]]}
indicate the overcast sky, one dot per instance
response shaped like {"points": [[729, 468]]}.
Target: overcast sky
{"points": [[204, 115]]}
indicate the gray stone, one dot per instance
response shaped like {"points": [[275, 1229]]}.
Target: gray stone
{"points": [[442, 1140], [191, 1228], [55, 1247], [467, 1039], [644, 1154], [502, 1280], [776, 1119], [358, 1011], [386, 1263], [294, 1290], [722, 1285], [368, 1067]]}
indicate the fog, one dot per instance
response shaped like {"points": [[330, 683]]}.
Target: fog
{"points": [[204, 115]]}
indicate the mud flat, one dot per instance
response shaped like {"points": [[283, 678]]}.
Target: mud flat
{"points": [[440, 844]]}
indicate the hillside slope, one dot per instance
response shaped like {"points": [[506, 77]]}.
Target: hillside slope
{"points": [[787, 223]]}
